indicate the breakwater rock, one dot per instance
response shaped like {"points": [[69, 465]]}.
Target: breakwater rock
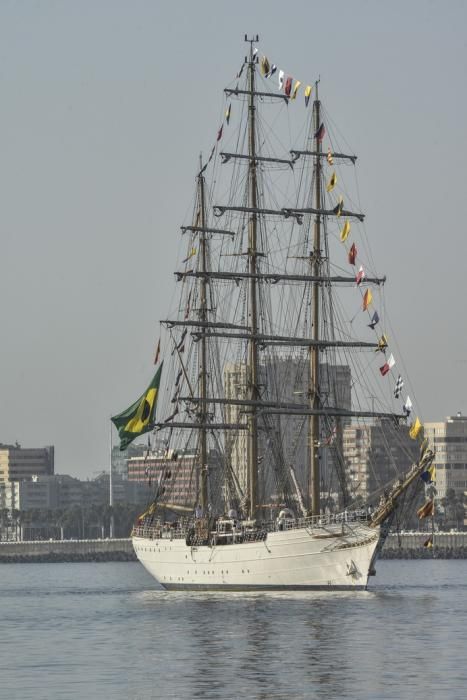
{"points": [[411, 545], [426, 553], [67, 551]]}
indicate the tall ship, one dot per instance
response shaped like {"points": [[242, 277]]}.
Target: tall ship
{"points": [[277, 365]]}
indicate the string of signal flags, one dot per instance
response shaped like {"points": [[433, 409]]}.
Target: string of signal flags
{"points": [[286, 84], [416, 428], [291, 86]]}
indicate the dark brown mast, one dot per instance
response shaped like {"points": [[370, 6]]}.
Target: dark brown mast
{"points": [[315, 331], [203, 312], [252, 367]]}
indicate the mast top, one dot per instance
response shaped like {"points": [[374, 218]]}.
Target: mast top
{"points": [[253, 52], [317, 82]]}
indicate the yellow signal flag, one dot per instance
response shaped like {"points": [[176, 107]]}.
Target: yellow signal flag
{"points": [[345, 231], [367, 299], [432, 472], [415, 429], [382, 343], [329, 157], [295, 89], [264, 65], [332, 183], [308, 90]]}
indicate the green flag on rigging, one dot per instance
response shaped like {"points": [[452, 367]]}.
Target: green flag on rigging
{"points": [[139, 417]]}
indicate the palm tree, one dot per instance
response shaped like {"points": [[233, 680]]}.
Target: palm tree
{"points": [[60, 521], [4, 522], [454, 509]]}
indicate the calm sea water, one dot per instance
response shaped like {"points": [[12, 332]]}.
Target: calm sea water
{"points": [[104, 631]]}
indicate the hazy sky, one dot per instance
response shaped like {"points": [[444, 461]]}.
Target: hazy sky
{"points": [[105, 107]]}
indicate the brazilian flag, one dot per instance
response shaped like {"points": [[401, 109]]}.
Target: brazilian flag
{"points": [[138, 419]]}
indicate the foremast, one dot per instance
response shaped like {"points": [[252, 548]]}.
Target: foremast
{"points": [[314, 480], [252, 363]]}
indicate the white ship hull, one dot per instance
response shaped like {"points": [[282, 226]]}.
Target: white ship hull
{"points": [[331, 558]]}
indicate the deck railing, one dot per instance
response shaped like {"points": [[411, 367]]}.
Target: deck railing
{"points": [[156, 529]]}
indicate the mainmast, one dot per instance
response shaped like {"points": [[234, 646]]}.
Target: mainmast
{"points": [[252, 364], [314, 350], [203, 312]]}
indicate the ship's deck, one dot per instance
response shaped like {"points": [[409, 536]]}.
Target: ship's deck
{"points": [[227, 530]]}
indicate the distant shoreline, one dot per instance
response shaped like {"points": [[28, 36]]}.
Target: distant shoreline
{"points": [[425, 553], [43, 551], [55, 558]]}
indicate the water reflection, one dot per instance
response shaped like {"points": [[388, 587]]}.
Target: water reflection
{"points": [[136, 642]]}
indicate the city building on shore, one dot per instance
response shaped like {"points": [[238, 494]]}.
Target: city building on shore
{"points": [[448, 439], [374, 455], [120, 458], [20, 465], [177, 469], [285, 439], [61, 491]]}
